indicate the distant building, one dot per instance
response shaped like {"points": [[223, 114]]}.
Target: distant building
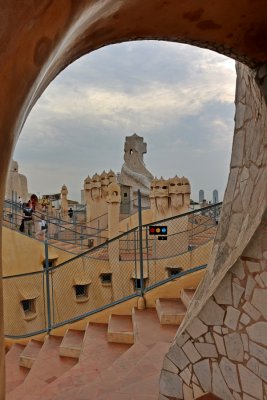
{"points": [[215, 196], [16, 185], [201, 196]]}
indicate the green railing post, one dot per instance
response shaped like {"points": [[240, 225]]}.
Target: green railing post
{"points": [[49, 327], [140, 243], [12, 210], [135, 258], [147, 254]]}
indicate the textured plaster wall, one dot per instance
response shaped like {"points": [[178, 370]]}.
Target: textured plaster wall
{"points": [[221, 346]]}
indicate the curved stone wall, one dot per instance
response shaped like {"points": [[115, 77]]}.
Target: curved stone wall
{"points": [[40, 38], [222, 347]]}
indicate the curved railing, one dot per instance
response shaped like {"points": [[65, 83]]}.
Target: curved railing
{"points": [[58, 229], [105, 275]]}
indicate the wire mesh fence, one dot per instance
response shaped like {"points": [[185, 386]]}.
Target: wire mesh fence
{"points": [[26, 309], [85, 284], [130, 207], [109, 273], [63, 230]]}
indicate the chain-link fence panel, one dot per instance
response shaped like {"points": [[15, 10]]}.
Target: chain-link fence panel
{"points": [[25, 304], [179, 243], [108, 273], [91, 282]]}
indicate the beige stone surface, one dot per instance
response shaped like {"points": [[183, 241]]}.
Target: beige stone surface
{"points": [[258, 333], [244, 338], [258, 368], [223, 294], [186, 376], [230, 374], [258, 351], [171, 385], [219, 387], [208, 338], [203, 373], [249, 287], [237, 293], [197, 391], [263, 276], [207, 350], [234, 347], [232, 317], [191, 352], [259, 301], [197, 328], [178, 357], [253, 266], [251, 311], [187, 392], [219, 341], [238, 270], [244, 319], [169, 366], [212, 313], [251, 383]]}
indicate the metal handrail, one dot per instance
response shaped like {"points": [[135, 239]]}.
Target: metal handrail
{"points": [[106, 306], [47, 272], [60, 221]]}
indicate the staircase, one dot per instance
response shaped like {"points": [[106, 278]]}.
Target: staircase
{"points": [[119, 360], [203, 235], [70, 247]]}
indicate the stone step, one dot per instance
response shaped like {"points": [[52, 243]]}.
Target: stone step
{"points": [[75, 251], [65, 245], [120, 329], [61, 244], [170, 311], [198, 241], [72, 248], [140, 381], [148, 330], [71, 344], [91, 377], [105, 380], [52, 241], [30, 353], [47, 367], [187, 295], [15, 374], [97, 355]]}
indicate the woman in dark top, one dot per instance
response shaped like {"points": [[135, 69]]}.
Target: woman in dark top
{"points": [[28, 220]]}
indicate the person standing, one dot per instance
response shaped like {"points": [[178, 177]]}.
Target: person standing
{"points": [[42, 229], [28, 219], [70, 213], [20, 201]]}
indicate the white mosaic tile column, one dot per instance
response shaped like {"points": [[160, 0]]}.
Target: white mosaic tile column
{"points": [[221, 347]]}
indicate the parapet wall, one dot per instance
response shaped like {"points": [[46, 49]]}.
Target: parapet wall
{"points": [[221, 346]]}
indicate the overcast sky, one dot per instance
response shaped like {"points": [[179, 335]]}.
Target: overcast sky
{"points": [[178, 97]]}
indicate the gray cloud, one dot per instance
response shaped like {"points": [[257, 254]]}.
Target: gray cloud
{"points": [[180, 98]]}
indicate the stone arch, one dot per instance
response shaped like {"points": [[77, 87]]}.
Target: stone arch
{"points": [[39, 39]]}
